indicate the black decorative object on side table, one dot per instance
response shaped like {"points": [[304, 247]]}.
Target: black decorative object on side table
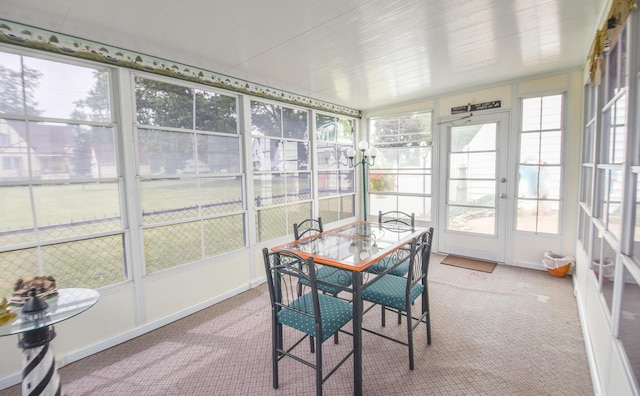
{"points": [[34, 327]]}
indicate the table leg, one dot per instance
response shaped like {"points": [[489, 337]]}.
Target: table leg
{"points": [[39, 372], [357, 333]]}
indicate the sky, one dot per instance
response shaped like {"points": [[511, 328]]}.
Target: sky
{"points": [[60, 84]]}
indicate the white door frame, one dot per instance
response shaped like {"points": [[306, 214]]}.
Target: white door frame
{"points": [[486, 247]]}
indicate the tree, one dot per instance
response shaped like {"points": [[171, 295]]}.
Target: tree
{"points": [[405, 131], [169, 105], [94, 107], [11, 91]]}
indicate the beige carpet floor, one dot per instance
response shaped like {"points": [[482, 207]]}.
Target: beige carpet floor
{"points": [[511, 332]]}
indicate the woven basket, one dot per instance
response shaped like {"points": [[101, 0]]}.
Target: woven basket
{"points": [[559, 272]]}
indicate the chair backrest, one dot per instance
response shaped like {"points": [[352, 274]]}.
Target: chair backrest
{"points": [[284, 271], [307, 227], [396, 216], [419, 259]]}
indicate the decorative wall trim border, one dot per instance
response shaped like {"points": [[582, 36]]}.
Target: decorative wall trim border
{"points": [[45, 40]]}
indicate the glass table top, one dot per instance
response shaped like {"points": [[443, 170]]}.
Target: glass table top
{"points": [[67, 304], [355, 246]]}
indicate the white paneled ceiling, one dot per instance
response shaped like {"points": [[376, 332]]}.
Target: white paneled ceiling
{"points": [[357, 53]]}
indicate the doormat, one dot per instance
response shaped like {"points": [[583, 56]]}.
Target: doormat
{"points": [[463, 262]]}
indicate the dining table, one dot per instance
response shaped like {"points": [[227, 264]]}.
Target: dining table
{"points": [[355, 247]]}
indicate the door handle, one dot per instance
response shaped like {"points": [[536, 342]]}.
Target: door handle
{"points": [[503, 196]]}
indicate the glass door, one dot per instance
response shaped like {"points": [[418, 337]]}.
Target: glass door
{"points": [[474, 190]]}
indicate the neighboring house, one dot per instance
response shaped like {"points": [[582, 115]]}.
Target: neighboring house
{"points": [[14, 154], [53, 151]]}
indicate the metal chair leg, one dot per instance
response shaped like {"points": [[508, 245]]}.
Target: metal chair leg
{"points": [[319, 367], [277, 341], [410, 336]]}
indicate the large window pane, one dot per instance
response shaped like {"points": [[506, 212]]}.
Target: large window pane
{"points": [[92, 263], [220, 154], [295, 124], [220, 195], [402, 171], [163, 104], [216, 112], [47, 150], [172, 245], [18, 223], [61, 174], [191, 178], [14, 264], [266, 119], [61, 90], [163, 152], [223, 234], [334, 136], [76, 209], [269, 190], [540, 165], [11, 88]]}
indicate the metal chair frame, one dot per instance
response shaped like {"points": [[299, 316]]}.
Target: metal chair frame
{"points": [[310, 227], [396, 216], [420, 252], [307, 226], [284, 271]]}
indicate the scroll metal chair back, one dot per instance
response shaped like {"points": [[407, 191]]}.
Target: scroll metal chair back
{"points": [[393, 217], [396, 216], [332, 280], [398, 294], [312, 314], [307, 227]]}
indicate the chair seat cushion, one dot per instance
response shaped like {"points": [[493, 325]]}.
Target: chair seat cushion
{"points": [[334, 312], [381, 265], [330, 275], [390, 291]]}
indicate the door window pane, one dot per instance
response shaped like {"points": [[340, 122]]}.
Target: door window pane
{"points": [[476, 220]]}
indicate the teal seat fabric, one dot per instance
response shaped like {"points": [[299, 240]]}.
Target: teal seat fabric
{"points": [[390, 291], [334, 312], [382, 265], [330, 275]]}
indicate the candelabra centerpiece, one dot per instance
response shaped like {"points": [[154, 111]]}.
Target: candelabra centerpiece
{"points": [[367, 157]]}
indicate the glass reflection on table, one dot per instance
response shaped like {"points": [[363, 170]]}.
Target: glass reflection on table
{"points": [[67, 304], [354, 246]]}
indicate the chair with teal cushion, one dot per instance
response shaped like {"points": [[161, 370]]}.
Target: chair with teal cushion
{"points": [[399, 293], [391, 218], [312, 314], [331, 279]]}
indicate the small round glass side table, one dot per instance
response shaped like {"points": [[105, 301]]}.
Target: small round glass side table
{"points": [[35, 331]]}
